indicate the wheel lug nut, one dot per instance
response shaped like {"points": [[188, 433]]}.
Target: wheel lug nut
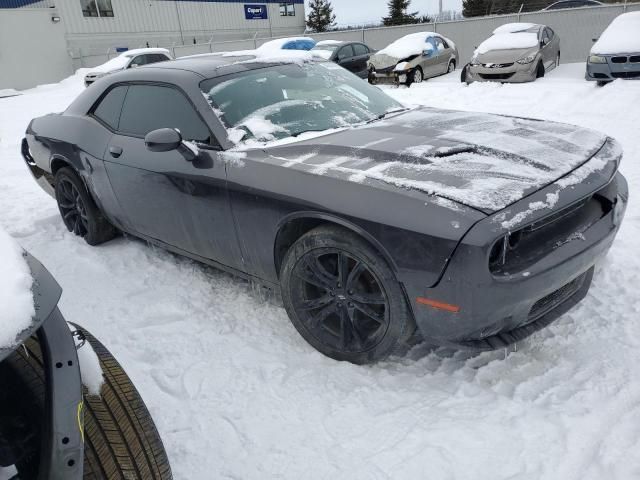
{"points": [[350, 292], [339, 305], [339, 285]]}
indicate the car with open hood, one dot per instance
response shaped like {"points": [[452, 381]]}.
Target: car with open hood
{"points": [[129, 59], [61, 390], [375, 222], [515, 52], [616, 54], [413, 58]]}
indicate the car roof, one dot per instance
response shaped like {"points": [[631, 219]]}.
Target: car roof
{"points": [[138, 51], [216, 66]]}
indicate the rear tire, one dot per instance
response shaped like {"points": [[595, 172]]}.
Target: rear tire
{"points": [[79, 212], [121, 440], [343, 298], [451, 67]]}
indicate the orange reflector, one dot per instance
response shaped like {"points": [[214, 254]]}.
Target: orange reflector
{"points": [[438, 305]]}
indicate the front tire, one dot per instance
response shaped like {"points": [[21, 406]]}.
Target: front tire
{"points": [[416, 76], [540, 70], [343, 298], [79, 212]]}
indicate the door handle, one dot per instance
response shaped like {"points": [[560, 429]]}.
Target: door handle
{"points": [[115, 151]]}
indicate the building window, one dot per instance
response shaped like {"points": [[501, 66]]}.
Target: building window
{"points": [[96, 8], [287, 9]]}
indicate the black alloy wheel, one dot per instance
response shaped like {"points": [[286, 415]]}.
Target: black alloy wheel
{"points": [[72, 208], [343, 298], [79, 212], [340, 301]]}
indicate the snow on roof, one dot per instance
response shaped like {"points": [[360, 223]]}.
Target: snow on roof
{"points": [[139, 51], [121, 61], [515, 27], [412, 44], [329, 42], [278, 43], [507, 40], [16, 298], [621, 36]]}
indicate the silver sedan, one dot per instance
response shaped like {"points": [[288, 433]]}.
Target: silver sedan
{"points": [[516, 52]]}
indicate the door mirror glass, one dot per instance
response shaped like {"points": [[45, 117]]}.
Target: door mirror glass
{"points": [[428, 50], [163, 140]]}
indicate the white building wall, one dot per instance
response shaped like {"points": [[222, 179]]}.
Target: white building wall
{"points": [[167, 23]]}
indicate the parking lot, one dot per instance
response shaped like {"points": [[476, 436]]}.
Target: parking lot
{"points": [[236, 393]]}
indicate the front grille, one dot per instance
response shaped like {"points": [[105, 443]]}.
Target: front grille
{"points": [[497, 65], [497, 76], [556, 298], [625, 74], [516, 251], [635, 59], [618, 59]]}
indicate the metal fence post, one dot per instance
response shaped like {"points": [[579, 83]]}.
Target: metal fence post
{"points": [[435, 25], [624, 8], [520, 11]]}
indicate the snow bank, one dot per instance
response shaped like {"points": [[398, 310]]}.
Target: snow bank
{"points": [[621, 36], [508, 41], [413, 44], [16, 299]]}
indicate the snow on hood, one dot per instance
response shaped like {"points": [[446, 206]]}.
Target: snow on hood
{"points": [[484, 161], [16, 298], [621, 36], [117, 63], [329, 42], [508, 41], [324, 54], [413, 44]]}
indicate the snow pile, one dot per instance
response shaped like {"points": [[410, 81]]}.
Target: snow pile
{"points": [[16, 299], [621, 36], [413, 44], [506, 40], [324, 54]]}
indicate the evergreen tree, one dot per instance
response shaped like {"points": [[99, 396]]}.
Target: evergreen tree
{"points": [[475, 8], [321, 16], [398, 13]]}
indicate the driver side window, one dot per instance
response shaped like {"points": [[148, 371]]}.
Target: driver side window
{"points": [[345, 52], [150, 107]]}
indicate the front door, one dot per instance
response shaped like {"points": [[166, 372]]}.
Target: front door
{"points": [[346, 59], [177, 197]]}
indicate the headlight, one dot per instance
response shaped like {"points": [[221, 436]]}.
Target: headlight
{"points": [[527, 59], [597, 59]]}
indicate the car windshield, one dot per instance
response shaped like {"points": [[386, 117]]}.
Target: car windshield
{"points": [[283, 101]]}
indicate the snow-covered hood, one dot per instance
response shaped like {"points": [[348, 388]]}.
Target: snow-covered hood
{"points": [[504, 56], [16, 299], [481, 160], [621, 36]]}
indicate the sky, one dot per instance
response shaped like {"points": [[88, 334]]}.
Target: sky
{"points": [[369, 11]]}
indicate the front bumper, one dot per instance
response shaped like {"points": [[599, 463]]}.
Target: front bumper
{"points": [[388, 77], [505, 73], [496, 310], [623, 66]]}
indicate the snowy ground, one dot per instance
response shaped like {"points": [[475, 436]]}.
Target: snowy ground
{"points": [[237, 394]]}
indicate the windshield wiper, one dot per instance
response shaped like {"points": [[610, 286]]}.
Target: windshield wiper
{"points": [[384, 115], [297, 134]]}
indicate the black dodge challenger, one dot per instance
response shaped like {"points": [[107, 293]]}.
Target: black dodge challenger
{"points": [[374, 221]]}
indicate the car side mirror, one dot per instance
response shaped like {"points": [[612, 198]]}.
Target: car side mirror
{"points": [[427, 52], [163, 140], [594, 40], [134, 65]]}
